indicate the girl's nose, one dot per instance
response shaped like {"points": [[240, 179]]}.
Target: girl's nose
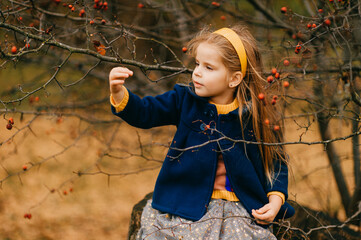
{"points": [[196, 72]]}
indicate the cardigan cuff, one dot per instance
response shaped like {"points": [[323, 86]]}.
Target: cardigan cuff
{"points": [[120, 106], [281, 195]]}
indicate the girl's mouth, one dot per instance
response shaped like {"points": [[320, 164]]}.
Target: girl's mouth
{"points": [[197, 84]]}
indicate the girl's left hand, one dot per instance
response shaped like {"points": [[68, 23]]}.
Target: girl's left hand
{"points": [[266, 214]]}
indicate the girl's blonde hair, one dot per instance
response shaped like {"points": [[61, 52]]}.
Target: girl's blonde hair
{"points": [[251, 86]]}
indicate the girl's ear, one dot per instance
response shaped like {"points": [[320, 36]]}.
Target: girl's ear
{"points": [[236, 79]]}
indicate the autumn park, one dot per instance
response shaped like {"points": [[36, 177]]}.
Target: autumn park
{"points": [[70, 169]]}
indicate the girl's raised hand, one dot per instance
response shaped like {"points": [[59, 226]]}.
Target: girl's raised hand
{"points": [[117, 78]]}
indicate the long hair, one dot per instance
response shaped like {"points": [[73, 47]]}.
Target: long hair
{"points": [[251, 86]]}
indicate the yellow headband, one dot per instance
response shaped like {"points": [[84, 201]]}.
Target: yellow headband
{"points": [[236, 42]]}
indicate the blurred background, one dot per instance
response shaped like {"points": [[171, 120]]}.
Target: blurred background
{"points": [[69, 169]]}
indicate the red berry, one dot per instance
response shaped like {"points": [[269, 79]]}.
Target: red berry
{"points": [[103, 21], [71, 190], [216, 4], [91, 22], [20, 18], [81, 13], [261, 96], [70, 6], [184, 49], [27, 45], [327, 22], [73, 9], [14, 49], [223, 18], [11, 121], [140, 5], [9, 126], [331, 1], [276, 128], [283, 9], [277, 75], [273, 101], [314, 25], [27, 215], [309, 25], [286, 84], [96, 1], [36, 99], [294, 36], [270, 79], [275, 97], [57, 1], [266, 121], [274, 71], [286, 62], [65, 192], [25, 167], [320, 10]]}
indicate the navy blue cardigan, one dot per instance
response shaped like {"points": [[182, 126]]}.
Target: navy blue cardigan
{"points": [[185, 183]]}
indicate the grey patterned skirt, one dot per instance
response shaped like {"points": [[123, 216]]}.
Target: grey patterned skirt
{"points": [[223, 220]]}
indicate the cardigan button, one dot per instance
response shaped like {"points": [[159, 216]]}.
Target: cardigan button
{"points": [[211, 113]]}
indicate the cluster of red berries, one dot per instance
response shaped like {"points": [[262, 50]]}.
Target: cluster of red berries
{"points": [[33, 99], [274, 99], [100, 5], [10, 124], [71, 7], [298, 48], [275, 127], [216, 4], [27, 215], [81, 13], [65, 192]]}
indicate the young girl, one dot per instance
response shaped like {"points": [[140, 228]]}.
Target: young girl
{"points": [[214, 183]]}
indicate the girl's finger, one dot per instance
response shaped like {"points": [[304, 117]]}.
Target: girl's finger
{"points": [[123, 70], [116, 82], [120, 75], [263, 209]]}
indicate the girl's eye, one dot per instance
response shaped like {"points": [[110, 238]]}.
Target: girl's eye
{"points": [[209, 68]]}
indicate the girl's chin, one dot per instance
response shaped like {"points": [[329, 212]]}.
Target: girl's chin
{"points": [[201, 93]]}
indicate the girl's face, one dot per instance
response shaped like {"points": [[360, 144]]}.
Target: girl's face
{"points": [[210, 76]]}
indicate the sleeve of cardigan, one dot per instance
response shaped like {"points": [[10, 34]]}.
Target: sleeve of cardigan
{"points": [[151, 111], [280, 178], [120, 106]]}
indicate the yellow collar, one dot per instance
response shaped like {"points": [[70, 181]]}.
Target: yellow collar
{"points": [[226, 108]]}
